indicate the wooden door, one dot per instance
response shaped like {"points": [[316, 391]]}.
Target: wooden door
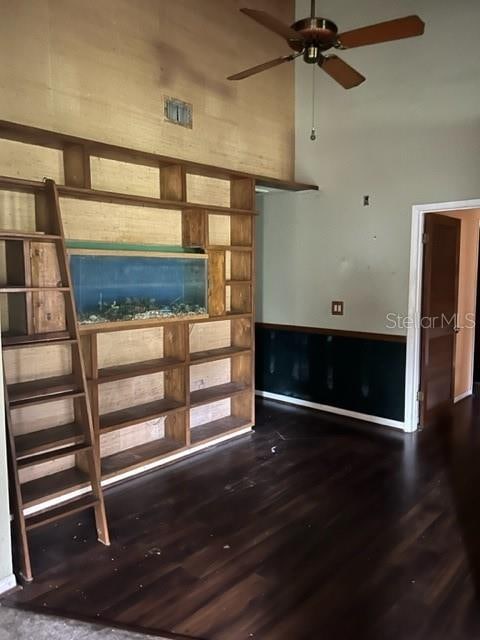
{"points": [[438, 322]]}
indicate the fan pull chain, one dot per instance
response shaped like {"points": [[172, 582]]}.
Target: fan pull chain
{"points": [[313, 134]]}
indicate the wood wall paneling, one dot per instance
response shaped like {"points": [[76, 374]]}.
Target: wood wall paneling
{"points": [[242, 332], [76, 166], [216, 283], [176, 428], [241, 265], [173, 182], [194, 228], [241, 231]]}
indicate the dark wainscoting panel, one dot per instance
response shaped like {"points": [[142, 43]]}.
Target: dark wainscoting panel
{"points": [[364, 374]]}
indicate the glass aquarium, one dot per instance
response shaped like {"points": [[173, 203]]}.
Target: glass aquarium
{"points": [[111, 287]]}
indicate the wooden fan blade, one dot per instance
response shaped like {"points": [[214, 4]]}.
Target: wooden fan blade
{"points": [[342, 72], [273, 24], [408, 27], [261, 67]]}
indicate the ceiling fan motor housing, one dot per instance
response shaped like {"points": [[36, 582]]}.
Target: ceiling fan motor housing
{"points": [[318, 34]]}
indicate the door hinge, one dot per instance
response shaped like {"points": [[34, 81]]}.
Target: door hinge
{"points": [[420, 396], [425, 238]]}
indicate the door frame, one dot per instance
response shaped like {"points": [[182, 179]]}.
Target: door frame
{"points": [[412, 369]]}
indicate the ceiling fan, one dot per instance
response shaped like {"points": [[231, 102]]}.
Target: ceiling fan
{"points": [[311, 37]]}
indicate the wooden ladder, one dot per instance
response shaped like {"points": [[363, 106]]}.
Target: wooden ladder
{"points": [[56, 442]]}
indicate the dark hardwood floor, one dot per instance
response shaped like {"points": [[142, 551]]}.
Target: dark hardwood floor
{"points": [[313, 527]]}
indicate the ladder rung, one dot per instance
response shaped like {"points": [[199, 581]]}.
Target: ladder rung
{"points": [[39, 339], [28, 235], [42, 440], [36, 390], [61, 511], [54, 454], [43, 399], [20, 289]]}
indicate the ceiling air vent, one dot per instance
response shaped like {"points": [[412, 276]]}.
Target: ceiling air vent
{"points": [[178, 112]]}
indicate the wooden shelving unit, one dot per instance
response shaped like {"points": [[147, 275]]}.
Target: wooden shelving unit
{"points": [[156, 388]]}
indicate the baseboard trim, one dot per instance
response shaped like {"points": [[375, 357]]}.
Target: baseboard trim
{"points": [[386, 422], [463, 395], [7, 584]]}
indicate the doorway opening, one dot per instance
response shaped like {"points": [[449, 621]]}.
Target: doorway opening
{"points": [[441, 338]]}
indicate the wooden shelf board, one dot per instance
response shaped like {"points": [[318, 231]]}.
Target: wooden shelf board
{"points": [[67, 508], [219, 392], [39, 339], [227, 316], [37, 236], [97, 195], [217, 354], [108, 327], [35, 390], [211, 430], [137, 414], [119, 372], [129, 459], [284, 185], [19, 184], [22, 289], [52, 486], [228, 247], [53, 454], [234, 282], [129, 198], [45, 439], [67, 395]]}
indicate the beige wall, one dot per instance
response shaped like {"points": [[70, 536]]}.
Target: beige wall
{"points": [[100, 69], [467, 298], [409, 135]]}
